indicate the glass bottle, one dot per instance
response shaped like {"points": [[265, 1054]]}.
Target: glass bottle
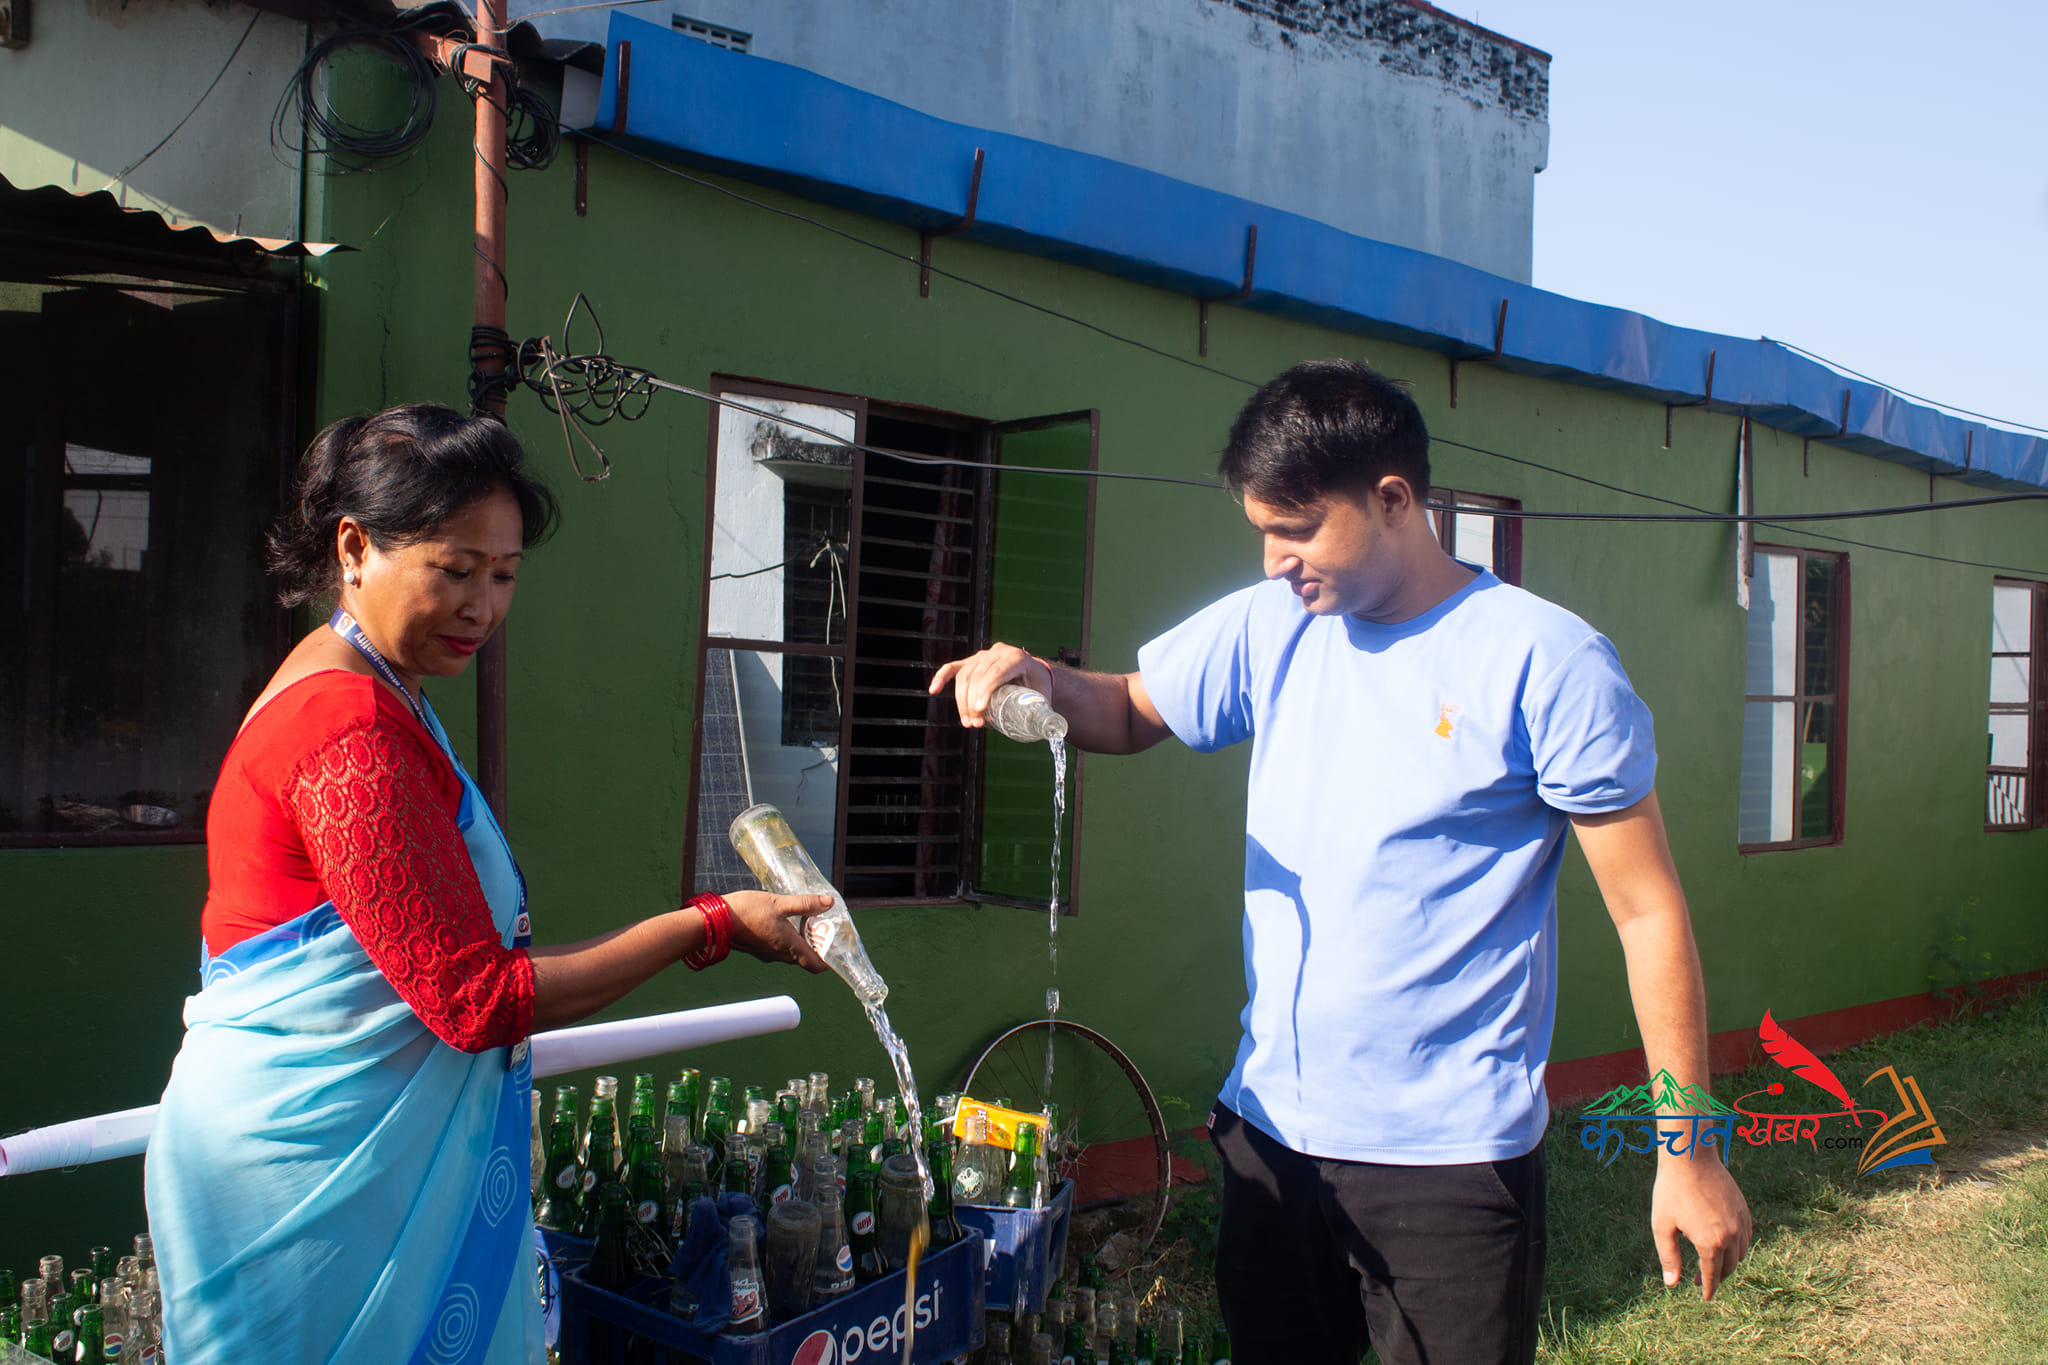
{"points": [[1219, 1347], [743, 1269], [1170, 1337], [1146, 1350], [868, 1265], [1025, 1190], [537, 1150], [765, 840], [600, 1166], [1017, 712], [643, 1101], [1040, 1350], [682, 1103], [1127, 1320], [791, 1256], [646, 1181], [945, 1224], [114, 1316], [609, 1267], [561, 1204], [900, 1208], [833, 1273], [92, 1336], [970, 1162]]}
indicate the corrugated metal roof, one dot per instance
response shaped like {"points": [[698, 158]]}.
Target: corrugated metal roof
{"points": [[100, 218]]}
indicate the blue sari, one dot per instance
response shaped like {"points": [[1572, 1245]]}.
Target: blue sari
{"points": [[328, 1181]]}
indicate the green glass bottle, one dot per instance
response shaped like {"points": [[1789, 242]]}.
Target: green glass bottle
{"points": [[1024, 1191], [776, 1174], [1076, 1342], [1091, 1274], [38, 1339], [1192, 1353], [1219, 1347], [609, 1266], [645, 1179], [868, 1265], [945, 1224], [643, 1102], [561, 1182], [10, 1322], [92, 1344], [63, 1335], [716, 1130], [1147, 1349], [682, 1103], [599, 1168]]}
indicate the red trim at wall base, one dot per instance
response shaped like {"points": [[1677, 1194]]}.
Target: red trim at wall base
{"points": [[1584, 1078]]}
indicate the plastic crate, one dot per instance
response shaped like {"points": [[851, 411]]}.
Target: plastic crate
{"points": [[866, 1325], [1027, 1249]]}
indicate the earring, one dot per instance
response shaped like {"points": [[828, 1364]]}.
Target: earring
{"points": [[352, 578]]}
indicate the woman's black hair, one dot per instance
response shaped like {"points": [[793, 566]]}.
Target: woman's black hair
{"points": [[399, 474], [1325, 426]]}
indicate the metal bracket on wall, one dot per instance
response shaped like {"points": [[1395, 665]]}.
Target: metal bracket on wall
{"points": [[1500, 336], [604, 130], [14, 23], [924, 239], [1251, 260], [1707, 401], [1806, 443]]}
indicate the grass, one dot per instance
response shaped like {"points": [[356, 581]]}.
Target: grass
{"points": [[1913, 1264]]}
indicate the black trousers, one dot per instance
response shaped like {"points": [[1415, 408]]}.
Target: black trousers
{"points": [[1430, 1265]]}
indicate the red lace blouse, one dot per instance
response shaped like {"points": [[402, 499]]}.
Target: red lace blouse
{"points": [[333, 791]]}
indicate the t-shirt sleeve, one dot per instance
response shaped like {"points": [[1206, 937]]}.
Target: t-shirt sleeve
{"points": [[1590, 736], [1199, 674]]}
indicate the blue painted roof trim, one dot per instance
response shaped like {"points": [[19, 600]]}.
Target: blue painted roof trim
{"points": [[791, 129]]}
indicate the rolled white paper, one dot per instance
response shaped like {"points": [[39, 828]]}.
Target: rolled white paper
{"points": [[106, 1136], [625, 1040]]}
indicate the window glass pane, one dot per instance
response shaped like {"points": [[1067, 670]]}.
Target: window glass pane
{"points": [[1815, 790], [2009, 740], [2012, 616], [1475, 540], [2009, 678], [1764, 814], [1817, 622], [1773, 626], [140, 622], [781, 494], [2006, 799], [743, 760]]}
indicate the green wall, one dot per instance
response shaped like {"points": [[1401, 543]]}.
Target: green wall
{"points": [[690, 282]]}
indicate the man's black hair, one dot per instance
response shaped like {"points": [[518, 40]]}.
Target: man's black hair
{"points": [[1325, 426]]}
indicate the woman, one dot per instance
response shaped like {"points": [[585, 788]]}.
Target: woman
{"points": [[339, 1168]]}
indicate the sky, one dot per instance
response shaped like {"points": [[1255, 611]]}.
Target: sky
{"points": [[1868, 181]]}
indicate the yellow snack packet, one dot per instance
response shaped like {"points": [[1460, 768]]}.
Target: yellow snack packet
{"points": [[1002, 1123]]}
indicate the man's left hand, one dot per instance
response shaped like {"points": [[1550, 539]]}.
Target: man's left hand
{"points": [[1695, 1198]]}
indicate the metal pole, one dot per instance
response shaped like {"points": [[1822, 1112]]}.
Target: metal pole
{"points": [[491, 110]]}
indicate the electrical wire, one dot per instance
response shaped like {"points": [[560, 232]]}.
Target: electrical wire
{"points": [[1916, 397], [224, 66], [579, 384], [350, 146]]}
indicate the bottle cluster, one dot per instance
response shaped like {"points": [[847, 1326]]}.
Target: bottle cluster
{"points": [[108, 1309], [839, 1200], [1084, 1323]]}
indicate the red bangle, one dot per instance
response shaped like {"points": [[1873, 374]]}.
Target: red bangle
{"points": [[717, 932]]}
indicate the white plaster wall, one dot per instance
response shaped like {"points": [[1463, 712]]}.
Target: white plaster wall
{"points": [[1383, 121], [101, 82], [746, 534]]}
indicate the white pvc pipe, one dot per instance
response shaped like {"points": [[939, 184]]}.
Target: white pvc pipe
{"points": [[107, 1136]]}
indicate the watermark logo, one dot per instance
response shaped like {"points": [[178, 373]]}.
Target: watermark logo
{"points": [[1678, 1118]]}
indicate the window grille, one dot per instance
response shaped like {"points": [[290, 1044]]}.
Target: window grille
{"points": [[718, 35]]}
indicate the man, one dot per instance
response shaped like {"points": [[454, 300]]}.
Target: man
{"points": [[1422, 733]]}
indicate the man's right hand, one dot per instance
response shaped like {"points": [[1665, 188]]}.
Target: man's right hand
{"points": [[976, 678]]}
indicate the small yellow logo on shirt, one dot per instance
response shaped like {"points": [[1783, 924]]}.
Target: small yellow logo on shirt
{"points": [[1443, 720]]}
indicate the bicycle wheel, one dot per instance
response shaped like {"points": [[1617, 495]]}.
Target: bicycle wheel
{"points": [[1112, 1138]]}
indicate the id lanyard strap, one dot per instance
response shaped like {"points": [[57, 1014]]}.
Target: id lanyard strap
{"points": [[345, 626]]}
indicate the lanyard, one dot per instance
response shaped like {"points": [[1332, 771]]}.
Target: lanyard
{"points": [[345, 626]]}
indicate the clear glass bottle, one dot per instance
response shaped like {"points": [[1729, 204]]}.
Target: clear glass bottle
{"points": [[764, 839], [833, 1273], [1017, 712], [743, 1268]]}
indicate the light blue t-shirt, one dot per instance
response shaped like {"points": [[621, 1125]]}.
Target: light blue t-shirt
{"points": [[1410, 787]]}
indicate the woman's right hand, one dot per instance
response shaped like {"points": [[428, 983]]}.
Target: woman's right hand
{"points": [[771, 927]]}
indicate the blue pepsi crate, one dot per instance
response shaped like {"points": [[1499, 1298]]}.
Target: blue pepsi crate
{"points": [[1027, 1249], [869, 1324]]}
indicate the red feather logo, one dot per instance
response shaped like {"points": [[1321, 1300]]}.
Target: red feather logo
{"points": [[1788, 1052]]}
